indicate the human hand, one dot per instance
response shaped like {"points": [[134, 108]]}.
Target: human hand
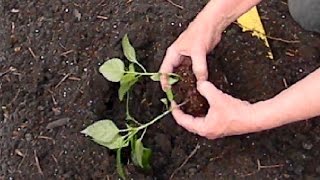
{"points": [[226, 116], [196, 41]]}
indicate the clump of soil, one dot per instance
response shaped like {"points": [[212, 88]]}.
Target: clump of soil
{"points": [[186, 90]]}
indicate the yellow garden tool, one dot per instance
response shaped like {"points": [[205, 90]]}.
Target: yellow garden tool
{"points": [[251, 21]]}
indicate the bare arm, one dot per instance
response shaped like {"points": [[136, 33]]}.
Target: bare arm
{"points": [[299, 102], [222, 13], [228, 115]]}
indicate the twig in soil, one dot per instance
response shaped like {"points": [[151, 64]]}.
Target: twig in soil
{"points": [[270, 37], [19, 153], [24, 156], [283, 40], [73, 78], [55, 159], [285, 82], [268, 167], [262, 167], [37, 162], [47, 138], [176, 5], [11, 69], [66, 53], [15, 97], [102, 17], [194, 151], [32, 53], [53, 98], [62, 80]]}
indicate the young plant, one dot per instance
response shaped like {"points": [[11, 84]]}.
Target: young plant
{"points": [[105, 132], [114, 70]]}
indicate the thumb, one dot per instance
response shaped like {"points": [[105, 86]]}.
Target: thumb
{"points": [[210, 92], [199, 66]]}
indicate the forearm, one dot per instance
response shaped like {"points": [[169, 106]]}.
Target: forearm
{"points": [[300, 101], [221, 13]]}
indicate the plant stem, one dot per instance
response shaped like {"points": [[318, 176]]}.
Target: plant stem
{"points": [[129, 117], [159, 117], [151, 74], [143, 133], [125, 130], [154, 120], [140, 65], [140, 73]]}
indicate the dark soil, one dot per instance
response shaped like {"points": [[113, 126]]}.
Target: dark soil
{"points": [[185, 90], [51, 90]]}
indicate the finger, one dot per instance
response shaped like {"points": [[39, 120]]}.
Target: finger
{"points": [[210, 92], [192, 124], [199, 65], [170, 61], [184, 120]]}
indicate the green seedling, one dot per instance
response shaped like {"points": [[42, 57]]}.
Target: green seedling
{"points": [[114, 70], [105, 132]]}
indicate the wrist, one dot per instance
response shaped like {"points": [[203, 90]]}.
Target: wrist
{"points": [[218, 14]]}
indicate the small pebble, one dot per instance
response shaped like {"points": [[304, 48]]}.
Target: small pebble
{"points": [[28, 137], [307, 145], [192, 171], [40, 108]]}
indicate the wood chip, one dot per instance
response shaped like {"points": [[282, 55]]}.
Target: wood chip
{"points": [[58, 123]]}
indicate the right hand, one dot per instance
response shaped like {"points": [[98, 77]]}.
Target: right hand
{"points": [[201, 36], [227, 115]]}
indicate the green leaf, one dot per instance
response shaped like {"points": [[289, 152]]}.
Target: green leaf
{"points": [[126, 82], [112, 69], [165, 102], [120, 169], [133, 145], [173, 80], [117, 142], [146, 158], [142, 155], [169, 95], [128, 49], [155, 77], [102, 131]]}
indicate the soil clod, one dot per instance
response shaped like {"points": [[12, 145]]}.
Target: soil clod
{"points": [[186, 90]]}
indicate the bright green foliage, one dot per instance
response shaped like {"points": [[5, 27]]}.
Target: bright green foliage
{"points": [[105, 132], [116, 143], [112, 69], [155, 77], [173, 80], [165, 102], [128, 50], [102, 131], [126, 83], [120, 169], [169, 95], [140, 155]]}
